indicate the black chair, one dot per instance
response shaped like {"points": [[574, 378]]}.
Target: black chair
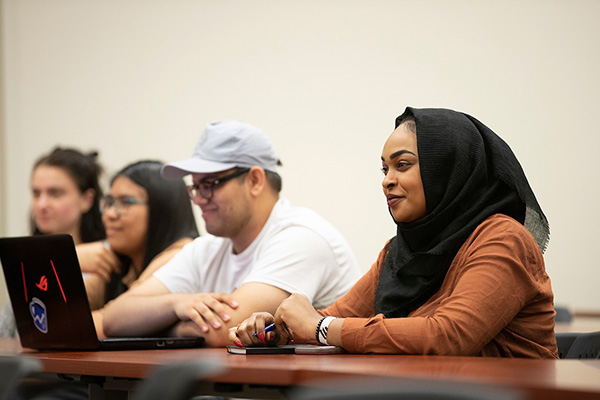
{"points": [[12, 369], [403, 389], [563, 314], [564, 341], [176, 381], [586, 345]]}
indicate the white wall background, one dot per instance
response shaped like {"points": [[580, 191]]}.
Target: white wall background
{"points": [[326, 79]]}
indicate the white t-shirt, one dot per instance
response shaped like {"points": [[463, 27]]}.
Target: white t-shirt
{"points": [[297, 251]]}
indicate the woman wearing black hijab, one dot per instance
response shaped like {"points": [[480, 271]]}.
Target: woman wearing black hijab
{"points": [[463, 276]]}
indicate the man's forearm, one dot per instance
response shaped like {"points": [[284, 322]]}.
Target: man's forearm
{"points": [[215, 337], [133, 315]]}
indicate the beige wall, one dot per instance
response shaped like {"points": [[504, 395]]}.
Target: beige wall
{"points": [[325, 79], [3, 165]]}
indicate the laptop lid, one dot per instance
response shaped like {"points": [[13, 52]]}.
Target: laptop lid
{"points": [[49, 299]]}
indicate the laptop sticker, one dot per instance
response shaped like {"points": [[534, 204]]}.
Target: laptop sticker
{"points": [[24, 281], [58, 280], [43, 284], [38, 313]]}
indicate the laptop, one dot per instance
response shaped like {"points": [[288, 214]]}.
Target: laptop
{"points": [[50, 302]]}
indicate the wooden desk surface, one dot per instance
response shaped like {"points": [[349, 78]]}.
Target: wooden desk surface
{"points": [[540, 379]]}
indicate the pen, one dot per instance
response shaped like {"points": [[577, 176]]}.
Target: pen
{"points": [[268, 328]]}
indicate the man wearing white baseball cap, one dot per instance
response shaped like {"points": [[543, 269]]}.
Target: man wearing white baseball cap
{"points": [[258, 251]]}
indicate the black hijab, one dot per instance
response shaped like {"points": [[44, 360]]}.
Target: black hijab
{"points": [[469, 174]]}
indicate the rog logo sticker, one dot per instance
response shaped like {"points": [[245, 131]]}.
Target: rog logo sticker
{"points": [[43, 284], [38, 312]]}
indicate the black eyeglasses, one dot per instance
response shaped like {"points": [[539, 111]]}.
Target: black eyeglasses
{"points": [[121, 203], [205, 188]]}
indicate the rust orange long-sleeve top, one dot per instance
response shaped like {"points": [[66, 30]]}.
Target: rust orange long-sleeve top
{"points": [[496, 301]]}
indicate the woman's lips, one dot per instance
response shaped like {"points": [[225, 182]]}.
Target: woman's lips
{"points": [[392, 200], [110, 230], [43, 218]]}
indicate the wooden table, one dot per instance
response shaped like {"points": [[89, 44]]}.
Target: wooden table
{"points": [[538, 379]]}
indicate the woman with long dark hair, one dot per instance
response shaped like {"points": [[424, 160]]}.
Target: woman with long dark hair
{"points": [[147, 220]]}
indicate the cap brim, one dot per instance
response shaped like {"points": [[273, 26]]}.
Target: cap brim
{"points": [[179, 169]]}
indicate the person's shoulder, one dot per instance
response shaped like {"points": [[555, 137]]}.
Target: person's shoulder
{"points": [[206, 242], [179, 244], [506, 229], [501, 237], [284, 209], [171, 250], [502, 222], [307, 226], [288, 215]]}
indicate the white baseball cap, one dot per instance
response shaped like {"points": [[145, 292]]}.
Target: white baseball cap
{"points": [[223, 145]]}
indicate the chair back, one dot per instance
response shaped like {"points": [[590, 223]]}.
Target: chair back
{"points": [[564, 341], [563, 314], [12, 369], [176, 381], [586, 345], [403, 389]]}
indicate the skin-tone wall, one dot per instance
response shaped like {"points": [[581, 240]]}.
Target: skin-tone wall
{"points": [[141, 79], [3, 196]]}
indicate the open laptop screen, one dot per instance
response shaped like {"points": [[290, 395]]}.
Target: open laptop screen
{"points": [[47, 292], [49, 299]]}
